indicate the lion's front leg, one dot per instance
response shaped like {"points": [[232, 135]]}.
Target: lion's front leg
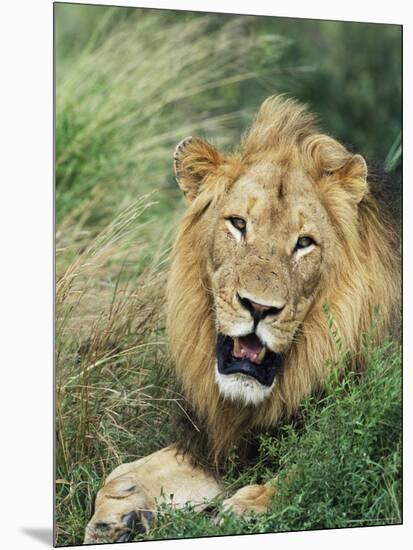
{"points": [[128, 500], [251, 498]]}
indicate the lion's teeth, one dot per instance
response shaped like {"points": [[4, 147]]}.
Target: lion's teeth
{"points": [[261, 355], [237, 345]]}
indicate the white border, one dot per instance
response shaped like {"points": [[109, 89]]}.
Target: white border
{"points": [[27, 255]]}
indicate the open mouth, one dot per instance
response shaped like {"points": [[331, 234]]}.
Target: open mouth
{"points": [[247, 355]]}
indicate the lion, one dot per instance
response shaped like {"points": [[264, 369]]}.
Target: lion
{"points": [[272, 234]]}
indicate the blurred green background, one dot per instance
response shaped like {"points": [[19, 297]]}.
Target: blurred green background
{"points": [[130, 84], [348, 73]]}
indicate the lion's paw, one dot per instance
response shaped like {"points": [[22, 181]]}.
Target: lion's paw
{"points": [[122, 508], [252, 498]]}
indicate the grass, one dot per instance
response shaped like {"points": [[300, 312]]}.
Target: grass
{"points": [[126, 94], [126, 102], [339, 468]]}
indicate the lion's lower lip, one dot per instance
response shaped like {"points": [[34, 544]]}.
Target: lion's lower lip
{"points": [[264, 371]]}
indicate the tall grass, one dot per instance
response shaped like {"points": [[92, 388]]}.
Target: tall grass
{"points": [[110, 361], [124, 104]]}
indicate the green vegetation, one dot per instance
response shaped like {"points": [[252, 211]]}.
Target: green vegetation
{"points": [[130, 84], [341, 468]]}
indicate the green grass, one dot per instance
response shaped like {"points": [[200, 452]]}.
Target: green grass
{"points": [[130, 85], [339, 468], [129, 99]]}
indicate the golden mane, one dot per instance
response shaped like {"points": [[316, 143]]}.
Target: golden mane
{"points": [[365, 277], [280, 122]]}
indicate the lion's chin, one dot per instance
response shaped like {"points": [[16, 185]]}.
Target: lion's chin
{"points": [[245, 372], [242, 388]]}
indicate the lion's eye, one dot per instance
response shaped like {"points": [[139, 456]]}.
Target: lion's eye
{"points": [[304, 242], [238, 223]]}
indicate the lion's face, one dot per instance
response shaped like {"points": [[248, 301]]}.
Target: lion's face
{"points": [[268, 243]]}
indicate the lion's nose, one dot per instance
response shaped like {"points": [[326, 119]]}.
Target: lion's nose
{"points": [[259, 310]]}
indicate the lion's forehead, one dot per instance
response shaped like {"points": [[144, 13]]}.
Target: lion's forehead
{"points": [[275, 195]]}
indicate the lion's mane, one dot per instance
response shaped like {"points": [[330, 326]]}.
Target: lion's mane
{"points": [[365, 278]]}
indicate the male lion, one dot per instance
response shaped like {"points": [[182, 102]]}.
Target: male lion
{"points": [[271, 234]]}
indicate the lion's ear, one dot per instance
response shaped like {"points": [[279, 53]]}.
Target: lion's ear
{"points": [[194, 160], [349, 171], [353, 177]]}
